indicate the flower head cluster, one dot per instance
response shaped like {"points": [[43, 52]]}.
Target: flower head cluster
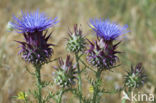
{"points": [[101, 54], [106, 29], [65, 74], [35, 48], [136, 77], [76, 42]]}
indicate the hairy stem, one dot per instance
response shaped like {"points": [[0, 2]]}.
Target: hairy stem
{"points": [[96, 86], [39, 83], [79, 77]]}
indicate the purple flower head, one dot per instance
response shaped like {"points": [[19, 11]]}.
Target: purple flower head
{"points": [[31, 22], [35, 48], [106, 29], [135, 78], [102, 54]]}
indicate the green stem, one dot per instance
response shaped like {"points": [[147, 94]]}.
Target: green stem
{"points": [[96, 86], [79, 77], [87, 65], [60, 96], [26, 100], [123, 101], [39, 83]]}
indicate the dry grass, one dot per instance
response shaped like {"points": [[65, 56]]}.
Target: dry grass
{"points": [[139, 45]]}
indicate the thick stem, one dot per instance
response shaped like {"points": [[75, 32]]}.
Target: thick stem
{"points": [[79, 77], [39, 83], [96, 86]]}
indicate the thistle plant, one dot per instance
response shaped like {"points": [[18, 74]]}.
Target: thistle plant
{"points": [[34, 48], [76, 44], [102, 53]]}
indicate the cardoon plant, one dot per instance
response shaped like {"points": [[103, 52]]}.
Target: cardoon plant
{"points": [[102, 52], [34, 48]]}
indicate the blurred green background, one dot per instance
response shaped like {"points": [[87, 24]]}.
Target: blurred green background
{"points": [[139, 45]]}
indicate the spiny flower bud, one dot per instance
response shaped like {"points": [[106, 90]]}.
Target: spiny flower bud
{"points": [[65, 75], [101, 54], [35, 48], [76, 42], [136, 77]]}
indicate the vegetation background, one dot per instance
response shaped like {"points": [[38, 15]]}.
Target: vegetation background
{"points": [[138, 46]]}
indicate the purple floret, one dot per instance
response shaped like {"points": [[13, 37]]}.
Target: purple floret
{"points": [[106, 29], [31, 22]]}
